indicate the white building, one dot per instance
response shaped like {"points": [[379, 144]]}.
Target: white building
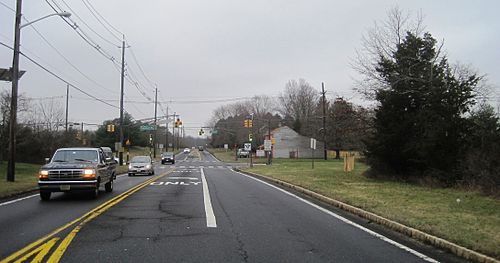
{"points": [[289, 144]]}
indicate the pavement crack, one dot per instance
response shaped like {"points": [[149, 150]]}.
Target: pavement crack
{"points": [[241, 245]]}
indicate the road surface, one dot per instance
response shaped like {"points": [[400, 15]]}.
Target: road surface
{"points": [[198, 210]]}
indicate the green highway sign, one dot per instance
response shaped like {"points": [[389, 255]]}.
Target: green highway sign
{"points": [[147, 128]]}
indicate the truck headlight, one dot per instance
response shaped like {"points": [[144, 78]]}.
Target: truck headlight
{"points": [[89, 173], [43, 174]]}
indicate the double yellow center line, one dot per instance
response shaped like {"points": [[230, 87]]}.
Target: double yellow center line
{"points": [[40, 248]]}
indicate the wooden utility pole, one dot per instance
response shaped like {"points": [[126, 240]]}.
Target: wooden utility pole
{"points": [[67, 105], [120, 155], [11, 166], [154, 134], [166, 131], [323, 92]]}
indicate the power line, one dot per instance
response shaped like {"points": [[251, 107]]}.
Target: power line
{"points": [[58, 77], [140, 68], [82, 33], [88, 26], [104, 19], [8, 7]]}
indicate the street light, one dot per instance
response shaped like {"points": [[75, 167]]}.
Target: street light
{"points": [[63, 14], [15, 78]]}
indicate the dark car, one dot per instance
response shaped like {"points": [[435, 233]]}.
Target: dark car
{"points": [[167, 157], [200, 148], [141, 165], [76, 169]]}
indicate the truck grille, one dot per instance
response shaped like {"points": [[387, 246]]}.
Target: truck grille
{"points": [[65, 174]]}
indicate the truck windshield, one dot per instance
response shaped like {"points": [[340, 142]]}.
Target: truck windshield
{"points": [[75, 155]]}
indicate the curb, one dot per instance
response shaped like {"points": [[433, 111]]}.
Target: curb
{"points": [[16, 195], [409, 231]]}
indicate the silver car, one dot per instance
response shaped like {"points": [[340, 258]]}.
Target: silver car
{"points": [[141, 165]]}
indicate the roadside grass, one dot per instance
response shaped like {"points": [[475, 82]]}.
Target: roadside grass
{"points": [[229, 156], [25, 180], [466, 218]]}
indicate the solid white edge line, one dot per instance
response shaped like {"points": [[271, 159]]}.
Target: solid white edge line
{"points": [[347, 221], [209, 211], [17, 200]]}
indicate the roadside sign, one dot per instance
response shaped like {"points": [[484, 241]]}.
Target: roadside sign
{"points": [[160, 146], [273, 141], [147, 128], [267, 145], [127, 142], [248, 146], [226, 146], [313, 143]]}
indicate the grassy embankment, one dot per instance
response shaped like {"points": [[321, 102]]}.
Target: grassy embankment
{"points": [[466, 218], [25, 180]]}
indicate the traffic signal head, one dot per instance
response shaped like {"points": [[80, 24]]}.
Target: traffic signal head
{"points": [[250, 137]]}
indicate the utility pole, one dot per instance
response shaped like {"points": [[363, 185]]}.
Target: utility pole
{"points": [[67, 105], [11, 166], [120, 155], [173, 133], [323, 92], [166, 131], [270, 153], [154, 136], [83, 140]]}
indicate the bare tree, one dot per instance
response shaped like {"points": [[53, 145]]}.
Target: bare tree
{"points": [[381, 41], [298, 104], [46, 114]]}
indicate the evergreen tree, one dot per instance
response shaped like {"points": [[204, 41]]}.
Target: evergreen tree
{"points": [[419, 125]]}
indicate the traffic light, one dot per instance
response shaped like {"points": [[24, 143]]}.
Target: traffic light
{"points": [[178, 123], [151, 139], [248, 123], [250, 137], [201, 132], [110, 128]]}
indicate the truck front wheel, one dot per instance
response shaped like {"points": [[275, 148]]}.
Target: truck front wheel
{"points": [[109, 186], [45, 195]]}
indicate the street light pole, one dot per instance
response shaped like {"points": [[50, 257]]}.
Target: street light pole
{"points": [[11, 166]]}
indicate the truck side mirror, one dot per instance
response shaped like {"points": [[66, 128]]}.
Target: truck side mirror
{"points": [[47, 160]]}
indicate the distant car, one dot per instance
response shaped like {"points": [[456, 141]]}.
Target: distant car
{"points": [[141, 165], [242, 153], [167, 157], [200, 148], [187, 150]]}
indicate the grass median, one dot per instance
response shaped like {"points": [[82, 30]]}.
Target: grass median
{"points": [[466, 218], [25, 179]]}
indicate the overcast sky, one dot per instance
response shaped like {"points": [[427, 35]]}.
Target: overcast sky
{"points": [[223, 49]]}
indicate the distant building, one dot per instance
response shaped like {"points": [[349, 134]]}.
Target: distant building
{"points": [[289, 144]]}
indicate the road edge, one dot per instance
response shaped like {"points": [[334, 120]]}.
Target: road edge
{"points": [[458, 250]]}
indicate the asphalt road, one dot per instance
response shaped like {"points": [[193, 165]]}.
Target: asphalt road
{"points": [[201, 211]]}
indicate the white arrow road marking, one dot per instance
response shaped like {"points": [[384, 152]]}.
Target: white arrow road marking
{"points": [[209, 211]]}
